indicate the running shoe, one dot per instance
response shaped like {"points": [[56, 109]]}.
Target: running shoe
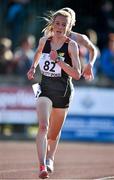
{"points": [[50, 166], [43, 172]]}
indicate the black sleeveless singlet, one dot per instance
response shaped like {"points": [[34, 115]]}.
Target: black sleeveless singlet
{"points": [[58, 88]]}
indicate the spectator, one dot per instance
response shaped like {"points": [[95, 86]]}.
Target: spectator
{"points": [[104, 22], [15, 18], [24, 54], [107, 58], [6, 56]]}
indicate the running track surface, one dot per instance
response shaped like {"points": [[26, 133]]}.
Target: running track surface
{"points": [[79, 161]]}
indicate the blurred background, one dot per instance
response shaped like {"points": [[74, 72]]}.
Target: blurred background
{"points": [[91, 114]]}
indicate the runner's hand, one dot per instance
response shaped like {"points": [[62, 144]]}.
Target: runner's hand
{"points": [[88, 72], [31, 73], [53, 55]]}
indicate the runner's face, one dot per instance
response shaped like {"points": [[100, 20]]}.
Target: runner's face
{"points": [[60, 25]]}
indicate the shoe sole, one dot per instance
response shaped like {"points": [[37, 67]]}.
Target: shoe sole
{"points": [[44, 175]]}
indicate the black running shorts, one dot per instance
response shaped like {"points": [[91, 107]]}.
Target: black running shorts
{"points": [[58, 90]]}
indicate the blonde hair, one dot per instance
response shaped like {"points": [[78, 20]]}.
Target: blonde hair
{"points": [[48, 30], [72, 14]]}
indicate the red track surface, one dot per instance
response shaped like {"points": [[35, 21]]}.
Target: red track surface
{"points": [[18, 160]]}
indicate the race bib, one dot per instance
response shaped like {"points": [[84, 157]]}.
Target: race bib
{"points": [[48, 67]]}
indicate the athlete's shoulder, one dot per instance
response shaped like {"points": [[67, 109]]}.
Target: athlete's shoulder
{"points": [[77, 36], [80, 36], [73, 35], [72, 46], [72, 42], [43, 40]]}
